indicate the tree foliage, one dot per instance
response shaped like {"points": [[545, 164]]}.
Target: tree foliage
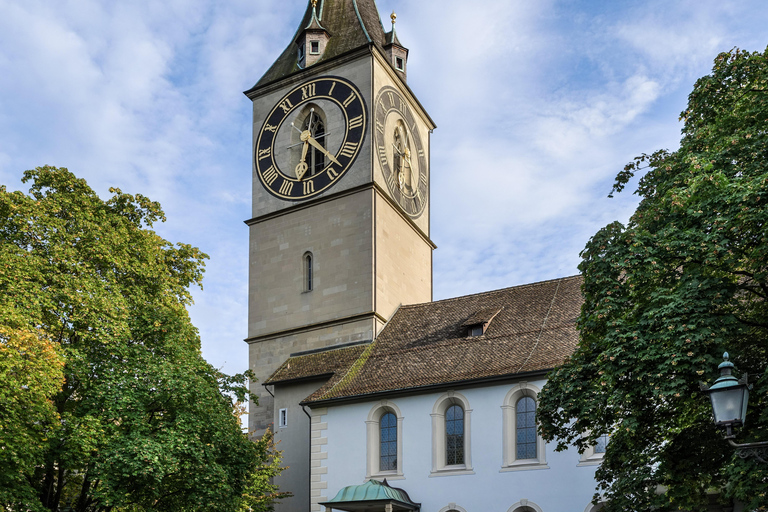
{"points": [[665, 296], [112, 406]]}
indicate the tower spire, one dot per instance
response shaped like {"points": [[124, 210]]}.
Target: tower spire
{"points": [[338, 27]]}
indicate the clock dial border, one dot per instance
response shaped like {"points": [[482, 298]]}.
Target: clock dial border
{"points": [[345, 95], [390, 102]]}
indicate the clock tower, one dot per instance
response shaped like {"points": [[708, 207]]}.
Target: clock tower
{"points": [[339, 234]]}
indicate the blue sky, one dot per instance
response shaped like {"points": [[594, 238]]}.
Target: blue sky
{"points": [[539, 103]]}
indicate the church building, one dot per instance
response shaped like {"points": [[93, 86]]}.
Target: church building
{"points": [[381, 398]]}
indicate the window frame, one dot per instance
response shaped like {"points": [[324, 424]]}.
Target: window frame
{"points": [[439, 436], [590, 457], [510, 462], [522, 505], [373, 443], [307, 263], [282, 418]]}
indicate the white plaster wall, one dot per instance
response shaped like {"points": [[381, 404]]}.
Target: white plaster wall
{"points": [[563, 487]]}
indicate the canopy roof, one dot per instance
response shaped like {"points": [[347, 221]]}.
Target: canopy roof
{"points": [[354, 498]]}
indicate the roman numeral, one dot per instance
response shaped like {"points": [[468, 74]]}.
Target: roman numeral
{"points": [[423, 178], [349, 149], [333, 85], [421, 153], [308, 91], [265, 153], [286, 106], [270, 128], [383, 153], [356, 122], [286, 188], [391, 181], [332, 173], [270, 175], [349, 100], [309, 187], [391, 99], [379, 126]]}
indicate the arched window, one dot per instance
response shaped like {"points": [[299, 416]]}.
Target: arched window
{"points": [[454, 435], [388, 442], [451, 435], [524, 506], [523, 448], [315, 158], [526, 428], [384, 433], [308, 272]]}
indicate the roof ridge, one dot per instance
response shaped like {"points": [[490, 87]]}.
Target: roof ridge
{"points": [[527, 285], [362, 23]]}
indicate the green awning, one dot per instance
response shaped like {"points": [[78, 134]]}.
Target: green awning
{"points": [[371, 496]]}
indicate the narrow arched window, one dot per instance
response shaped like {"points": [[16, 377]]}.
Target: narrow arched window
{"points": [[315, 157], [454, 435], [526, 428], [308, 276], [388, 442]]}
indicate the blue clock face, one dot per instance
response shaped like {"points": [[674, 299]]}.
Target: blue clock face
{"points": [[401, 154], [311, 138]]}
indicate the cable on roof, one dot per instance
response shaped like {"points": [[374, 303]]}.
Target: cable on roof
{"points": [[543, 325]]}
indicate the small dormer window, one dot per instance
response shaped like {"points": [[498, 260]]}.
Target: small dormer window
{"points": [[479, 321], [399, 64], [301, 53], [314, 47], [476, 330]]}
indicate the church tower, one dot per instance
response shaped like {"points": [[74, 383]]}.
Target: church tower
{"points": [[339, 235]]}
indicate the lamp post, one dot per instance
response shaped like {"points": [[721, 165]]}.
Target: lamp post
{"points": [[729, 397]]}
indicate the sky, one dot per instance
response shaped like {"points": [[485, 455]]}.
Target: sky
{"points": [[538, 105]]}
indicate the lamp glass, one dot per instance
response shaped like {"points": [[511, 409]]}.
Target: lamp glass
{"points": [[729, 404]]}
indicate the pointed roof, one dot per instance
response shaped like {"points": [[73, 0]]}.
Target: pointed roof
{"points": [[351, 23], [391, 36]]}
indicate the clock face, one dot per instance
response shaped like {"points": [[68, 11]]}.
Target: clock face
{"points": [[310, 138], [401, 154]]}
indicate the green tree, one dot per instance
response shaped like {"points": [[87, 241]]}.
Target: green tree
{"points": [[30, 375], [139, 420], [665, 296]]}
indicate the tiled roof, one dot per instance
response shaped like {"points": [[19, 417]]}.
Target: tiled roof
{"points": [[428, 344], [351, 23], [317, 364]]}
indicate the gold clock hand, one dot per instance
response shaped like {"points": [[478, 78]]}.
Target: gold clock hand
{"points": [[301, 169], [320, 148]]}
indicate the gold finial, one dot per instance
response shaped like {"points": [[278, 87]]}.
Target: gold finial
{"points": [[314, 4], [393, 17]]}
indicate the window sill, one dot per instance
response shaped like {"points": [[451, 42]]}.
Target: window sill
{"points": [[595, 461], [524, 466], [452, 471]]}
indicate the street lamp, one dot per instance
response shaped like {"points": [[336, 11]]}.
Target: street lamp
{"points": [[729, 397]]}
